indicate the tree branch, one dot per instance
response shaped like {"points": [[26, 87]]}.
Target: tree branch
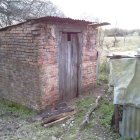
{"points": [[87, 116]]}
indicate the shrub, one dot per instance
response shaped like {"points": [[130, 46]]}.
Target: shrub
{"points": [[103, 71]]}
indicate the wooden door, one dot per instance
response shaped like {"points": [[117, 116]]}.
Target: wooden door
{"points": [[68, 66]]}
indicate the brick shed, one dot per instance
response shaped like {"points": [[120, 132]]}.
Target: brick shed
{"points": [[47, 60]]}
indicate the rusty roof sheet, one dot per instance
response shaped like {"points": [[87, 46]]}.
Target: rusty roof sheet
{"points": [[59, 20]]}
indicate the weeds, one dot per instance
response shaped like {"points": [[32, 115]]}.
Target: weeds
{"points": [[19, 110], [82, 107], [105, 112], [103, 72], [33, 130]]}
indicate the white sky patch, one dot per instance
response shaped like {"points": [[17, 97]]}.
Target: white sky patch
{"points": [[120, 13]]}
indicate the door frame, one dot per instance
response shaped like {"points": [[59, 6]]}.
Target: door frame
{"points": [[79, 58]]}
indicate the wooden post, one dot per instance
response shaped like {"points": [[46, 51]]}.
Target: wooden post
{"points": [[116, 109]]}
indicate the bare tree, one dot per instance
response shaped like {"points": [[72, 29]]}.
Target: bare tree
{"points": [[13, 11], [115, 39], [101, 37]]}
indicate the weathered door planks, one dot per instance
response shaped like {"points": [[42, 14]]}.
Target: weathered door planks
{"points": [[69, 66]]}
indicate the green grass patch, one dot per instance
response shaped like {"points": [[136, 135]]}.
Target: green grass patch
{"points": [[36, 131], [82, 106], [105, 112], [19, 110], [103, 72]]}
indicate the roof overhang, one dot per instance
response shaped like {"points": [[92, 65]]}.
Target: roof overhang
{"points": [[58, 20], [96, 25]]}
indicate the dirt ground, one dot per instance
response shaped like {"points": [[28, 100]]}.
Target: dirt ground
{"points": [[13, 126]]}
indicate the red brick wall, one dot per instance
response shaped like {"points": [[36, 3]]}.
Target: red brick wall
{"points": [[48, 63], [19, 72], [89, 60]]}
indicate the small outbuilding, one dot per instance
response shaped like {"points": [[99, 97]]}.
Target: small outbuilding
{"points": [[47, 60]]}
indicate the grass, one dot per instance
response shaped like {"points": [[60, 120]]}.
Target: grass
{"points": [[82, 106], [103, 72], [104, 114], [19, 110], [131, 43], [30, 131], [105, 111]]}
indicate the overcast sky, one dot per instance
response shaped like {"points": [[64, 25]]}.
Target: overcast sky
{"points": [[120, 13]]}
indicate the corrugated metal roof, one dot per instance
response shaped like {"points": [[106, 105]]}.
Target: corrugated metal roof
{"points": [[59, 20], [130, 126]]}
